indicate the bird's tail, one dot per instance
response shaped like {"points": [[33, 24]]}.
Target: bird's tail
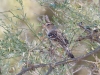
{"points": [[69, 53]]}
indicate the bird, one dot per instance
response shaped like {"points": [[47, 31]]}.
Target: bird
{"points": [[56, 35]]}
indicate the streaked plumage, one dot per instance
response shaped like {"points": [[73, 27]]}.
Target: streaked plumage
{"points": [[55, 35]]}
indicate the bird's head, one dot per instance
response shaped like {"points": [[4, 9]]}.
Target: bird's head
{"points": [[48, 26]]}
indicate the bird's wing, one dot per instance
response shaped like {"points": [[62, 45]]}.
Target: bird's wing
{"points": [[62, 38]]}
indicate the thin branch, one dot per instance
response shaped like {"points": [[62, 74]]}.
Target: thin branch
{"points": [[33, 67], [49, 70], [93, 35]]}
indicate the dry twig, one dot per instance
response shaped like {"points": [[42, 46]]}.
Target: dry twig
{"points": [[53, 65], [93, 35]]}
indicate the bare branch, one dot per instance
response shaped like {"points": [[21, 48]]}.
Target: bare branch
{"points": [[33, 67], [93, 35], [49, 70]]}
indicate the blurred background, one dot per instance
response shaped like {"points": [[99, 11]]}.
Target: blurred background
{"points": [[22, 37]]}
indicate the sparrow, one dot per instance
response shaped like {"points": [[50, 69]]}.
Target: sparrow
{"points": [[56, 35]]}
